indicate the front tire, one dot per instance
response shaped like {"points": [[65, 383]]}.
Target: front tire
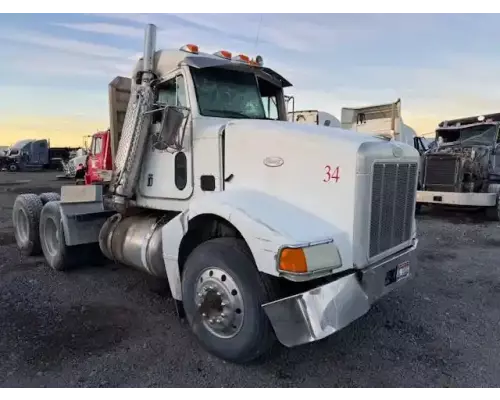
{"points": [[493, 213], [223, 292], [418, 209]]}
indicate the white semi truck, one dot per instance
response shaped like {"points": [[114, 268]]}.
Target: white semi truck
{"points": [[265, 230]]}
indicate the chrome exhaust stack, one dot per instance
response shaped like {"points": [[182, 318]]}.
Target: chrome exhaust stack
{"points": [[134, 136]]}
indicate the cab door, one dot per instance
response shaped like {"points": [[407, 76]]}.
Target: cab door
{"points": [[168, 174]]}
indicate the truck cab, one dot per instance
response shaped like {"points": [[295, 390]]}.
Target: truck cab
{"points": [[463, 168], [27, 154], [266, 230], [98, 165]]}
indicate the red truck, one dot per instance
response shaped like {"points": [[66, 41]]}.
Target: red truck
{"points": [[99, 164]]}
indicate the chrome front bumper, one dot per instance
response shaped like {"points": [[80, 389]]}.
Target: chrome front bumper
{"points": [[320, 312]]}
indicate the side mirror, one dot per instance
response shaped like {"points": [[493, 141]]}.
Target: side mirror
{"points": [[171, 123]]}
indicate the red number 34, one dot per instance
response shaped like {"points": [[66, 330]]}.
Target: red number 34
{"points": [[331, 174]]}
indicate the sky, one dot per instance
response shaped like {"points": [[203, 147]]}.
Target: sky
{"points": [[55, 68]]}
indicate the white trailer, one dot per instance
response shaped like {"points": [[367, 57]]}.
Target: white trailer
{"points": [[265, 230], [382, 120], [316, 117]]}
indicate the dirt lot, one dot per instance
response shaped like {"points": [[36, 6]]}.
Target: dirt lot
{"points": [[111, 326]]}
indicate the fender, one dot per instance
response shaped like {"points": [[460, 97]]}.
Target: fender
{"points": [[82, 222], [267, 224], [82, 213]]}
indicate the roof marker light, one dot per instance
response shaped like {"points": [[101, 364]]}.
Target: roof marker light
{"points": [[242, 57], [190, 48], [224, 54]]}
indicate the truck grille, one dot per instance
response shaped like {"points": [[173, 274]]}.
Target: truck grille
{"points": [[392, 206], [442, 172]]}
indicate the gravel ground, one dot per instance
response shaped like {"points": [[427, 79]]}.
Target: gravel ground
{"points": [[111, 326]]}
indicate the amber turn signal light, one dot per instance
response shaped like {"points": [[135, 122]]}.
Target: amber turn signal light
{"points": [[293, 260]]}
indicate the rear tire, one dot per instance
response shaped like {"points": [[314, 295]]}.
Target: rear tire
{"points": [[50, 196], [26, 219], [58, 255], [223, 292]]}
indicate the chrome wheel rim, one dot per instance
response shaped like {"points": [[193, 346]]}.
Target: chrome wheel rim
{"points": [[219, 302]]}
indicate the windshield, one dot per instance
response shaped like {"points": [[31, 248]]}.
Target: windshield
{"points": [[227, 93], [486, 136], [479, 134]]}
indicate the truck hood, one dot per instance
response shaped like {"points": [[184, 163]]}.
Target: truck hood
{"points": [[214, 126], [324, 171]]}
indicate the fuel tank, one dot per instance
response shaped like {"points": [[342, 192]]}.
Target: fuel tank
{"points": [[134, 241]]}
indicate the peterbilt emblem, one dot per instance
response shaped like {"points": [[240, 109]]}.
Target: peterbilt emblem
{"points": [[397, 151], [273, 161]]}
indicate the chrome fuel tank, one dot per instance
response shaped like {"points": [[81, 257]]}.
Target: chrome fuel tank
{"points": [[134, 241]]}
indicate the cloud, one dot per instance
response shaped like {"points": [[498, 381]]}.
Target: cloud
{"points": [[42, 63], [136, 18], [286, 31], [67, 45], [105, 28]]}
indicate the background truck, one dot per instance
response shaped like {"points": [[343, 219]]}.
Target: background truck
{"points": [[27, 154], [30, 154], [384, 121], [314, 117], [464, 168], [202, 195], [73, 166], [381, 120], [92, 164], [99, 163]]}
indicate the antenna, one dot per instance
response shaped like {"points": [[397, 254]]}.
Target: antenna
{"points": [[258, 32]]}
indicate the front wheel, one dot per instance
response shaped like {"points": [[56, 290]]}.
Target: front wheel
{"points": [[493, 213], [418, 209], [222, 293]]}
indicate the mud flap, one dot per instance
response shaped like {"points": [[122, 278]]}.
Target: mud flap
{"points": [[82, 222]]}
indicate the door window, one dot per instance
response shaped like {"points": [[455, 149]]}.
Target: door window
{"points": [[173, 92], [270, 107], [97, 145]]}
